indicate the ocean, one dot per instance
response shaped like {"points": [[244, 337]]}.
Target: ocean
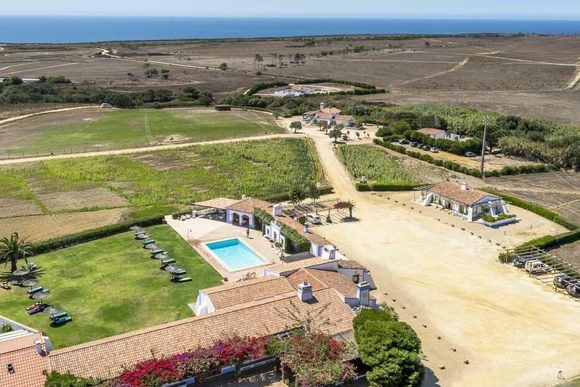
{"points": [[40, 29]]}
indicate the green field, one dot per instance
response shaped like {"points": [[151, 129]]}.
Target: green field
{"points": [[377, 165], [136, 128], [256, 168], [111, 286]]}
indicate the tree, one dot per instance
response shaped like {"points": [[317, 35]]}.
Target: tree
{"points": [[14, 248], [223, 66], [358, 135], [390, 348], [314, 194], [191, 92], [297, 196], [151, 72], [323, 126], [296, 125], [335, 133], [165, 74]]}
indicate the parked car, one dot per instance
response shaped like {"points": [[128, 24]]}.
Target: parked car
{"points": [[537, 267], [414, 144], [403, 141], [574, 290], [313, 218], [426, 147], [563, 281], [521, 260], [434, 150], [470, 154]]}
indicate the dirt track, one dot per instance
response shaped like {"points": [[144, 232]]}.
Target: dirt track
{"points": [[513, 330]]}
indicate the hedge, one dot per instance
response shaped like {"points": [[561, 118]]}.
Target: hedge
{"points": [[536, 209], [380, 187], [263, 86], [553, 241], [361, 85], [91, 235], [453, 166]]}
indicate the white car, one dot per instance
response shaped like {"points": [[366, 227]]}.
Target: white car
{"points": [[537, 267], [313, 218]]}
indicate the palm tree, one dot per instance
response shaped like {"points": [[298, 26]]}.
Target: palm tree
{"points": [[14, 248]]}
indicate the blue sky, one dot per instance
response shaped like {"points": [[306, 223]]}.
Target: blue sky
{"points": [[504, 9]]}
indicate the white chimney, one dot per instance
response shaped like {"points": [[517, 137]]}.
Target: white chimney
{"points": [[277, 209], [321, 106], [39, 348], [244, 197], [464, 186], [305, 292], [363, 290]]}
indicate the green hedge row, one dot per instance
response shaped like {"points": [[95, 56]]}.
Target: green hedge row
{"points": [[553, 241], [380, 187], [91, 235], [264, 85], [507, 170], [536, 209]]}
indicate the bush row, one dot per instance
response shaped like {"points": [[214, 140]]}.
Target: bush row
{"points": [[264, 85], [536, 209], [91, 235], [366, 187], [553, 241], [453, 166]]}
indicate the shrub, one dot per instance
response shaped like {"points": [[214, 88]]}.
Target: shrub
{"points": [[55, 379], [491, 219], [390, 348]]}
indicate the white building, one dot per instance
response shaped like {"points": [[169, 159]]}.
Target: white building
{"points": [[471, 204], [439, 134]]}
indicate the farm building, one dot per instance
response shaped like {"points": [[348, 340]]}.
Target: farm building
{"points": [[471, 204], [294, 91], [332, 116], [439, 134]]}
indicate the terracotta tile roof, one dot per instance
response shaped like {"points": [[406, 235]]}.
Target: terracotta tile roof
{"points": [[28, 364], [299, 228], [247, 291], [221, 203], [248, 205], [289, 268], [335, 280], [350, 264], [331, 110], [323, 279], [108, 358], [324, 116], [456, 193], [431, 131], [302, 275]]}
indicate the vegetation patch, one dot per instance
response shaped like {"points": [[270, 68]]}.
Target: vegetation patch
{"points": [[376, 165]]}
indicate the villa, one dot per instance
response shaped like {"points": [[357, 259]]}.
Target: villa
{"points": [[468, 203], [332, 116]]}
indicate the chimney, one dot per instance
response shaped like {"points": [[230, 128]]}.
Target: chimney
{"points": [[39, 348], [321, 106], [277, 210], [305, 292], [363, 290], [464, 186]]}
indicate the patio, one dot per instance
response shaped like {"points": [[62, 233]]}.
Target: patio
{"points": [[198, 231]]}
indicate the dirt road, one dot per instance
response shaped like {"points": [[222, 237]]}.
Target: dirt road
{"points": [[448, 285], [143, 149]]}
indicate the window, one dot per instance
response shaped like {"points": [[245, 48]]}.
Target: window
{"points": [[356, 278]]}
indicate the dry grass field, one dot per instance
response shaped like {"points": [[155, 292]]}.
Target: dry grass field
{"points": [[557, 191], [521, 75]]}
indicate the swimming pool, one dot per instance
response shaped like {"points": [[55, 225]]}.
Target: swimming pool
{"points": [[235, 254]]}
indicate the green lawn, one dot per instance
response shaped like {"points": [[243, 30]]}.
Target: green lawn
{"points": [[111, 286], [377, 165], [141, 127]]}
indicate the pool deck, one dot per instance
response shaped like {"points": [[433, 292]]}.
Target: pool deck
{"points": [[199, 231]]}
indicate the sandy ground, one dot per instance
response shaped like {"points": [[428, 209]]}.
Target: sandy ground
{"points": [[449, 286]]}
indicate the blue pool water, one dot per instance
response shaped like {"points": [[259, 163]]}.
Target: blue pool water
{"points": [[235, 255]]}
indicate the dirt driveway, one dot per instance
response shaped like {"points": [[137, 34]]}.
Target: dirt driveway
{"points": [[448, 285]]}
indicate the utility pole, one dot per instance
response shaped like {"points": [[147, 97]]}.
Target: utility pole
{"points": [[485, 123]]}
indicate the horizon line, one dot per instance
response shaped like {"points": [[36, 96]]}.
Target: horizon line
{"points": [[360, 17]]}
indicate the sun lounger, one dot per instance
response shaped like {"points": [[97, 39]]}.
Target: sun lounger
{"points": [[35, 290], [149, 242], [178, 271], [164, 255], [62, 320], [166, 262], [157, 251], [179, 280], [56, 316], [36, 308]]}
